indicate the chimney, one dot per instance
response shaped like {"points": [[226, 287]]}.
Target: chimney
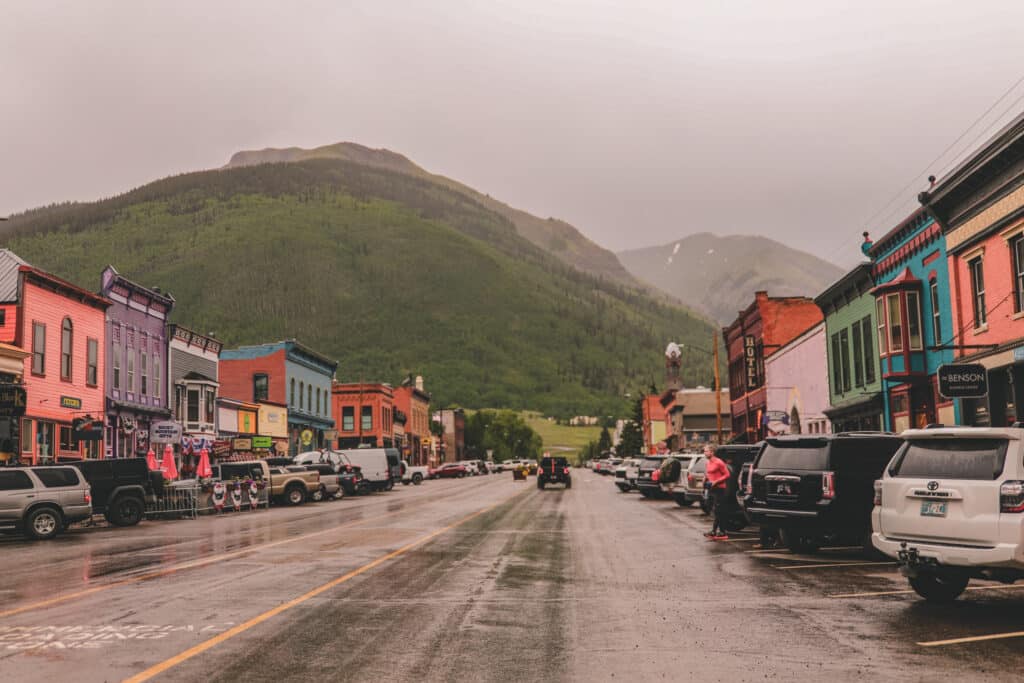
{"points": [[419, 382]]}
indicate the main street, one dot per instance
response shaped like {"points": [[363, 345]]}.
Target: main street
{"points": [[474, 579]]}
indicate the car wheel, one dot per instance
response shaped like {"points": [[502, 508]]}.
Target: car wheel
{"points": [[645, 493], [623, 487], [768, 537], [126, 511], [682, 502], [43, 523], [568, 484], [295, 495], [390, 485], [939, 587], [461, 475], [540, 485], [798, 542], [417, 479], [340, 493], [319, 495], [405, 482]]}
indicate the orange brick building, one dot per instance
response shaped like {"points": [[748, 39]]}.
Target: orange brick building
{"points": [[414, 402], [364, 414], [759, 331]]}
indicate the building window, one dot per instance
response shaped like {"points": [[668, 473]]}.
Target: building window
{"points": [[933, 291], [66, 442], [892, 302], [869, 351], [260, 387], [44, 437], [291, 398], [1017, 256], [302, 393], [65, 349], [143, 374], [156, 375], [367, 418], [883, 340], [117, 367], [192, 410], [211, 397], [914, 321], [92, 354], [26, 436], [309, 398], [844, 349], [131, 370], [978, 291], [318, 400], [38, 349], [858, 356], [348, 418]]}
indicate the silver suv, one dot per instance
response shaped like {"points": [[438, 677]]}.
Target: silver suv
{"points": [[42, 501], [950, 507]]}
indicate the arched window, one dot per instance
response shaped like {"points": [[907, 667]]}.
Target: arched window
{"points": [[309, 398], [318, 400], [302, 393], [291, 400], [65, 349]]}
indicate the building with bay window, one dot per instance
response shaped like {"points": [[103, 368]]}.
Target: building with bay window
{"points": [[192, 370], [913, 320], [136, 361], [980, 207]]}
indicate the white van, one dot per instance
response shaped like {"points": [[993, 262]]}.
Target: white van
{"points": [[381, 467]]}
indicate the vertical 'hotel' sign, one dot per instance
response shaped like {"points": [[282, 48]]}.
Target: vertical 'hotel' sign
{"points": [[750, 358]]}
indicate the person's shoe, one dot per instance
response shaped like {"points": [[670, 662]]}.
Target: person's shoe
{"points": [[722, 537], [710, 534]]}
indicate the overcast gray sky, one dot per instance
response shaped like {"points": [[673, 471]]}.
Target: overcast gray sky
{"points": [[639, 121]]}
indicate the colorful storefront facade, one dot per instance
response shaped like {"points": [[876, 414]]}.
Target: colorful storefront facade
{"points": [[136, 362], [914, 322], [192, 370], [411, 399], [854, 373], [796, 386], [980, 207], [364, 414]]}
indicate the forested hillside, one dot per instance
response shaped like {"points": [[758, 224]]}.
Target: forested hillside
{"points": [[386, 272]]}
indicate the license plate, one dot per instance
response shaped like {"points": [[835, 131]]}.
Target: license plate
{"points": [[929, 509]]}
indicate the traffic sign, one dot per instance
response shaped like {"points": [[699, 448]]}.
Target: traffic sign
{"points": [[963, 380]]}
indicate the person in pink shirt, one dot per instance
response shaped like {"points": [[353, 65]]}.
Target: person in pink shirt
{"points": [[717, 475]]}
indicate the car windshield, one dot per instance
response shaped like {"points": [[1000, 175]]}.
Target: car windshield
{"points": [[794, 456], [951, 459]]}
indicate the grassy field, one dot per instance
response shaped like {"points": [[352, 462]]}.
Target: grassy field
{"points": [[561, 439]]}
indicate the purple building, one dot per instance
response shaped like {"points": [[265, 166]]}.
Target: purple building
{"points": [[136, 363]]}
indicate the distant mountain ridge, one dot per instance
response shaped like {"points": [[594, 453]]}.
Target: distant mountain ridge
{"points": [[557, 237], [719, 275]]}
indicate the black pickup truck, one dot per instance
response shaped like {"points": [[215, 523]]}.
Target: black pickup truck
{"points": [[120, 488]]}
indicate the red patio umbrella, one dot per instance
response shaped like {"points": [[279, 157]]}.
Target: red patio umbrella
{"points": [[203, 469], [168, 467], [151, 460]]}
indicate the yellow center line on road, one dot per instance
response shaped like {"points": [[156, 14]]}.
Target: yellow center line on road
{"points": [[170, 663], [831, 564], [911, 591], [972, 639], [191, 564]]}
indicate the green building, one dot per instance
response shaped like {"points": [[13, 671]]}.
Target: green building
{"points": [[854, 372]]}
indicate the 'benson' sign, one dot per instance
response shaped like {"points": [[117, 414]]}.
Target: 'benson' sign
{"points": [[963, 380]]}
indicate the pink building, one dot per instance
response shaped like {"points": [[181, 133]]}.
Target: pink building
{"points": [[61, 327], [796, 382]]}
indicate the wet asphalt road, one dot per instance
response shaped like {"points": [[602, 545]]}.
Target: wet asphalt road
{"points": [[481, 579]]}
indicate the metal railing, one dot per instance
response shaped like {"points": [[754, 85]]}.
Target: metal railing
{"points": [[174, 501]]}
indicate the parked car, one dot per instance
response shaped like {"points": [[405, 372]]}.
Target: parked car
{"points": [[41, 502], [553, 471], [816, 489], [693, 488], [294, 484], [414, 474], [626, 474], [120, 488], [672, 474], [472, 468], [380, 467], [646, 482], [950, 508], [448, 471], [330, 482]]}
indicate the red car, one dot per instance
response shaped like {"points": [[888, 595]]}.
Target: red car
{"points": [[449, 471]]}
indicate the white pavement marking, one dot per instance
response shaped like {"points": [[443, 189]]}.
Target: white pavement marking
{"points": [[911, 591], [832, 564]]}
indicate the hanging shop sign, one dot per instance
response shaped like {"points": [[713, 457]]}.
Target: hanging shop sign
{"points": [[71, 402], [12, 400], [306, 436], [220, 447], [87, 428], [241, 444], [963, 380], [262, 442], [750, 360], [165, 432]]}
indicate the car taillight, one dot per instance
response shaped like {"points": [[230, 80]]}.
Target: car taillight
{"points": [[565, 470], [655, 475], [1011, 496], [828, 485], [878, 492], [691, 480], [88, 498]]}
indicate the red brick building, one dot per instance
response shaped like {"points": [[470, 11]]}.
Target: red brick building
{"points": [[414, 402], [654, 424], [761, 329], [364, 414]]}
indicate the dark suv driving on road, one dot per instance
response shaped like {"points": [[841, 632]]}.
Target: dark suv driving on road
{"points": [[813, 489], [554, 471]]}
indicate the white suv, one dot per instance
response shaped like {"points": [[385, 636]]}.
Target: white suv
{"points": [[950, 507]]}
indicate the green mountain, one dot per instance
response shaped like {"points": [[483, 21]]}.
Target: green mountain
{"points": [[387, 271], [550, 234], [719, 275]]}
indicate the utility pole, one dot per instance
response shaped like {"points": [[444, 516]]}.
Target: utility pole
{"points": [[718, 390]]}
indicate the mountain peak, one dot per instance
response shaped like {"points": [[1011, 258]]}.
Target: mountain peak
{"points": [[345, 151]]}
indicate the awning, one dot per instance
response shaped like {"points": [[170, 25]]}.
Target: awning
{"points": [[871, 403]]}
